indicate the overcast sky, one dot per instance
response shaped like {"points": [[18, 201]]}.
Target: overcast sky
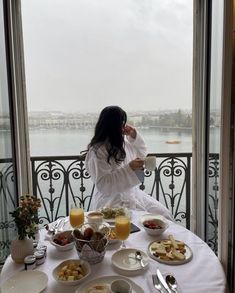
{"points": [[82, 55]]}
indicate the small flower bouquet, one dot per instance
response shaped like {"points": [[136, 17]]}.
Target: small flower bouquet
{"points": [[26, 216]]}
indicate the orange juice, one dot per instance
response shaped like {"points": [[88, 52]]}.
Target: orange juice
{"points": [[76, 217], [122, 227]]}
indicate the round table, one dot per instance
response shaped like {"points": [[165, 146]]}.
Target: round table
{"points": [[203, 273]]}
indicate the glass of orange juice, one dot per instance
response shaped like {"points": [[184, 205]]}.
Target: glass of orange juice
{"points": [[76, 216], [122, 229]]}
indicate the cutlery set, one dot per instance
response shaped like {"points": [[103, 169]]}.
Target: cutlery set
{"points": [[162, 284], [57, 226]]}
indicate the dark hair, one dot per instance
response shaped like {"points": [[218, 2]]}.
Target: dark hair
{"points": [[109, 131]]}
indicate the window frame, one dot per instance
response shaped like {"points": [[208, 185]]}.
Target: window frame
{"points": [[18, 101]]}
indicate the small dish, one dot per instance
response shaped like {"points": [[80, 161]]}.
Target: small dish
{"points": [[125, 260], [112, 236], [63, 241], [71, 272], [95, 217], [154, 224]]}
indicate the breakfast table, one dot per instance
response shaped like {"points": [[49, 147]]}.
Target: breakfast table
{"points": [[202, 273]]}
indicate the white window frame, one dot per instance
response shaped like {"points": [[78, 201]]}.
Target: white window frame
{"points": [[19, 101]]}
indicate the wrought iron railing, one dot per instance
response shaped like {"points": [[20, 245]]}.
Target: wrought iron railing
{"points": [[213, 198], [60, 180], [7, 203]]}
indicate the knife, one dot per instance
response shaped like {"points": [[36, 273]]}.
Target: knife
{"points": [[162, 281]]}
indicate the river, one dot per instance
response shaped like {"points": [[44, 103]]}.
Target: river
{"points": [[57, 142]]}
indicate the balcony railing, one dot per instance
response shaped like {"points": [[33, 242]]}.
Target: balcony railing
{"points": [[61, 180]]}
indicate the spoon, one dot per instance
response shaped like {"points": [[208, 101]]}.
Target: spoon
{"points": [[139, 257], [171, 281]]}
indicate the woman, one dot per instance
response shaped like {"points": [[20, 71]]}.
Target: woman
{"points": [[115, 160]]}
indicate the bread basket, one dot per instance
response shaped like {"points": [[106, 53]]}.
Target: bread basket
{"points": [[91, 242]]}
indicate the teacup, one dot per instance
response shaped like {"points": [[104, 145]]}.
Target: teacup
{"points": [[121, 285], [95, 218], [150, 163]]}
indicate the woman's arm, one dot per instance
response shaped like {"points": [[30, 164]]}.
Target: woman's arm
{"points": [[136, 141]]}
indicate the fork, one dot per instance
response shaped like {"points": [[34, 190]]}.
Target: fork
{"points": [[157, 284]]}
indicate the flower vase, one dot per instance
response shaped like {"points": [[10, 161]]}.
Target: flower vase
{"points": [[20, 249]]}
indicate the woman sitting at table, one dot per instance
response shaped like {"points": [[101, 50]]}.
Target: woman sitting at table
{"points": [[114, 161]]}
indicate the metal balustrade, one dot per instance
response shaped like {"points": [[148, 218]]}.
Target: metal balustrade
{"points": [[61, 180]]}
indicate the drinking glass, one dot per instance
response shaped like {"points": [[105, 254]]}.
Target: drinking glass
{"points": [[76, 216], [122, 229]]}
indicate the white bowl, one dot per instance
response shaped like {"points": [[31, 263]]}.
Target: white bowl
{"points": [[95, 217], [63, 235], [62, 266], [159, 224]]}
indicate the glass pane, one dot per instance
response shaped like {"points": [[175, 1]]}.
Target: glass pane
{"points": [[81, 56], [7, 184], [214, 122]]}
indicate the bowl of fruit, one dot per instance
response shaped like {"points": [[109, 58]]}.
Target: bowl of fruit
{"points": [[63, 240], [71, 272], [154, 224]]}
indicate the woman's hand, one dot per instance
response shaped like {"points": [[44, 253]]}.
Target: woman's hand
{"points": [[137, 164], [129, 130]]}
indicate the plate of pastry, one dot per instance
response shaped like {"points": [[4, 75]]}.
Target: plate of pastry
{"points": [[170, 251]]}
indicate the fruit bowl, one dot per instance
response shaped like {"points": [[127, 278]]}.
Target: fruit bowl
{"points": [[71, 272], [63, 240], [154, 224]]}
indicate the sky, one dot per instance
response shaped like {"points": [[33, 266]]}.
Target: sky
{"points": [[82, 55]]}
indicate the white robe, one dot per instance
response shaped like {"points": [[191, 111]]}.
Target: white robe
{"points": [[117, 184]]}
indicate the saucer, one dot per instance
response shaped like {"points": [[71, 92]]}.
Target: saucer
{"points": [[124, 259], [32, 281]]}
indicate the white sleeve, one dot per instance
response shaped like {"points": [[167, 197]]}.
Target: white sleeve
{"points": [[138, 144], [109, 180]]}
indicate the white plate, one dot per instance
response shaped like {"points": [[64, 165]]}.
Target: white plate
{"points": [[124, 259], [127, 212], [32, 281], [108, 280], [188, 256]]}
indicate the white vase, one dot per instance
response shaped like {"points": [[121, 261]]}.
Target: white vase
{"points": [[20, 249]]}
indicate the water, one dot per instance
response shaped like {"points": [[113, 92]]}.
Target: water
{"points": [[72, 142], [56, 142]]}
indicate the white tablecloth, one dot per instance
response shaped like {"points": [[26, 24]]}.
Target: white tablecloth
{"points": [[203, 274]]}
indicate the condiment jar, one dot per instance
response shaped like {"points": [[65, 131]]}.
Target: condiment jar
{"points": [[42, 247], [40, 257], [30, 262]]}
